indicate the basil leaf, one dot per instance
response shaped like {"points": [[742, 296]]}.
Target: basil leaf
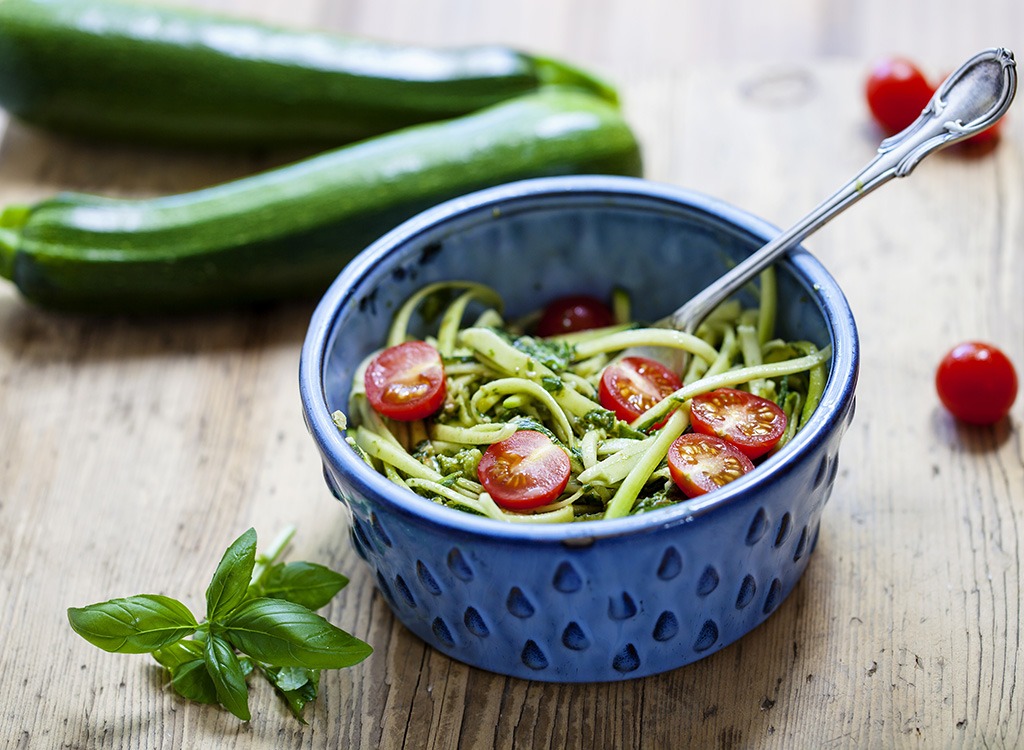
{"points": [[230, 581], [247, 664], [227, 676], [296, 685], [289, 678], [305, 583], [133, 625], [176, 654], [189, 677], [286, 634], [191, 680]]}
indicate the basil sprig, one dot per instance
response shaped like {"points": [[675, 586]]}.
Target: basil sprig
{"points": [[259, 618]]}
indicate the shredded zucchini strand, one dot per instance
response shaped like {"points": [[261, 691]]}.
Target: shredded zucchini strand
{"points": [[769, 305], [625, 496], [648, 337]]}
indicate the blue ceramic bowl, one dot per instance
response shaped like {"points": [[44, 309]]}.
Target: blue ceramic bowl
{"points": [[597, 600]]}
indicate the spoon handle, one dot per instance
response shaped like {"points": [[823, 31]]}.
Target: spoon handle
{"points": [[970, 100]]}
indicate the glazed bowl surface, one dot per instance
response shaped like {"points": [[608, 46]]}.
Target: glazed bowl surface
{"points": [[595, 600]]}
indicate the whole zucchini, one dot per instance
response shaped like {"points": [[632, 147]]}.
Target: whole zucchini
{"points": [[288, 231], [179, 76]]}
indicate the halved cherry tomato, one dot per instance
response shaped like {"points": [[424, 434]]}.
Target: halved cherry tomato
{"points": [[977, 383], [406, 381], [896, 92], [524, 471], [751, 423], [635, 384], [574, 313], [701, 463]]}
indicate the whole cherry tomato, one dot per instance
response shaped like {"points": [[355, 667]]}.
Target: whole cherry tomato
{"points": [[896, 92], [578, 312], [635, 384], [751, 423], [406, 382], [524, 471], [701, 463], [976, 382]]}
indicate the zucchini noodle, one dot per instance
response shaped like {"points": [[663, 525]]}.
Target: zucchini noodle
{"points": [[500, 379]]}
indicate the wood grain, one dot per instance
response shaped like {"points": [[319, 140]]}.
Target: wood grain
{"points": [[133, 451]]}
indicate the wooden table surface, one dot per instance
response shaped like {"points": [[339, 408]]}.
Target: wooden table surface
{"points": [[133, 451]]}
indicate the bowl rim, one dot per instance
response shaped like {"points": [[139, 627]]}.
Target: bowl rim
{"points": [[839, 387]]}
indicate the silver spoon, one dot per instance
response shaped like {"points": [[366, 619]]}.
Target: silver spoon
{"points": [[970, 100]]}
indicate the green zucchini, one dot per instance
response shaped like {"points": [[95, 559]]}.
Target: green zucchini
{"points": [[179, 76], [288, 231]]}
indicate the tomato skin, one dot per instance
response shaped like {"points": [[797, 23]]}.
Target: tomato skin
{"points": [[701, 463], [751, 423], [579, 312], [406, 382], [896, 92], [635, 384], [524, 471], [977, 383]]}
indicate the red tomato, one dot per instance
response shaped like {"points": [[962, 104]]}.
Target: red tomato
{"points": [[751, 423], [977, 383], [406, 382], [524, 471], [896, 92], [575, 313], [701, 463], [635, 384]]}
